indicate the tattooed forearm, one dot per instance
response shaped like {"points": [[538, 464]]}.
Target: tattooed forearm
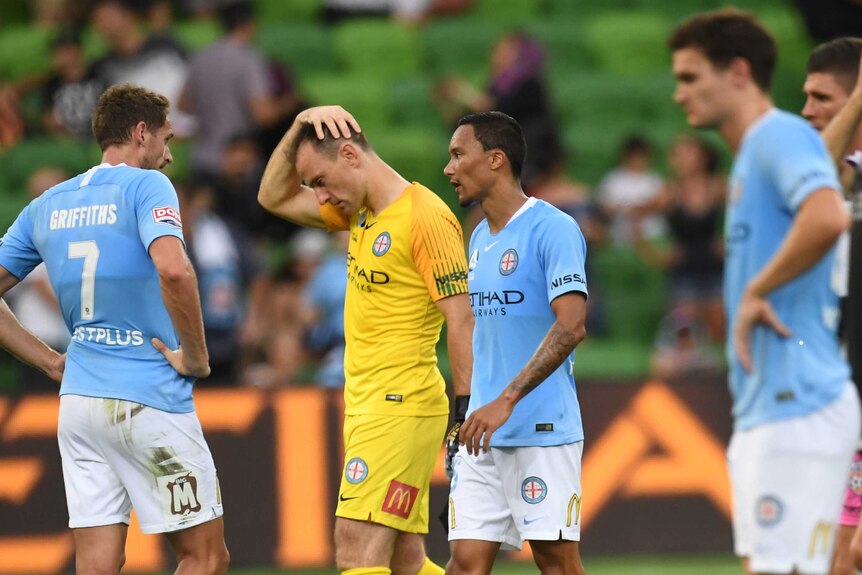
{"points": [[553, 351]]}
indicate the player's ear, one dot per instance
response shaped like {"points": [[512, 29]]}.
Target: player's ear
{"points": [[138, 132], [497, 159], [740, 70], [350, 154]]}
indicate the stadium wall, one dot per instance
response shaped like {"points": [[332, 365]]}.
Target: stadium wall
{"points": [[654, 476]]}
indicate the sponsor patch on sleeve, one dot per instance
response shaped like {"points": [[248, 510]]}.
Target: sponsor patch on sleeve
{"points": [[168, 215]]}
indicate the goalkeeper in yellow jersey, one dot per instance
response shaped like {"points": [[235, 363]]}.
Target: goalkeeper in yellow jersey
{"points": [[407, 272]]}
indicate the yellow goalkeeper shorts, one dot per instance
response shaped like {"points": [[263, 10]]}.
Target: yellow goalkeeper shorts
{"points": [[388, 462]]}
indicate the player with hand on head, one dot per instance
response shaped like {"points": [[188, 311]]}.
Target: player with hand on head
{"points": [[112, 242], [406, 273], [517, 475], [796, 412]]}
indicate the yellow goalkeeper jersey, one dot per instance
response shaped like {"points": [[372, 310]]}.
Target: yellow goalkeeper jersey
{"points": [[399, 263]]}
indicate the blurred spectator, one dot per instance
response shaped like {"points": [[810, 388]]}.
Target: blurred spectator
{"points": [[11, 124], [282, 363], [555, 187], [682, 348], [231, 280], [627, 190], [517, 88], [33, 300], [406, 11], [231, 91], [72, 91], [324, 296], [693, 203], [157, 61], [237, 184]]}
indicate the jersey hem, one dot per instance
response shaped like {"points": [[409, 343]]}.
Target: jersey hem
{"points": [[550, 442], [803, 410], [124, 397]]}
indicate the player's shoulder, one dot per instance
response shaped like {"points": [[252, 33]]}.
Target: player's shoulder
{"points": [[780, 125], [548, 216], [426, 200]]}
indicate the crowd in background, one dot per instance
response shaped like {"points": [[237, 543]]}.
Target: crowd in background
{"points": [[272, 295]]}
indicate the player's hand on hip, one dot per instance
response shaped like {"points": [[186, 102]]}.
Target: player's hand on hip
{"points": [[335, 118], [482, 423], [179, 362], [753, 310], [57, 367]]}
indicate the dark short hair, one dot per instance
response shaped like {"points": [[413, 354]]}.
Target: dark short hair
{"points": [[498, 131], [67, 36], [727, 34], [119, 110], [329, 145], [839, 57], [635, 144], [235, 13]]}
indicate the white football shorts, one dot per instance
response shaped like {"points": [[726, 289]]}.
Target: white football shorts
{"points": [[120, 454], [788, 481], [515, 494]]}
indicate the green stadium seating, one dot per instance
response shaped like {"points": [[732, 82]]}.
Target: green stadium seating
{"points": [[412, 101], [459, 45], [567, 47], [289, 10], [24, 50], [18, 163], [196, 35], [629, 43], [367, 101], [507, 13], [13, 12], [633, 292], [306, 47], [377, 48]]}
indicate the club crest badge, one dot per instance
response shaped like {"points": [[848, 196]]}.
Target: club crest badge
{"points": [[356, 470], [381, 244], [534, 490], [509, 262]]}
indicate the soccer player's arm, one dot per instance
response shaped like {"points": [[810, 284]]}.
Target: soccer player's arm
{"points": [[839, 132], [18, 257], [438, 252], [281, 190], [802, 172], [160, 231], [563, 251]]}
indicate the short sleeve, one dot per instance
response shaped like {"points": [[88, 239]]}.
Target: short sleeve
{"points": [[256, 77], [797, 162], [18, 254], [563, 253], [438, 248], [157, 209], [334, 218]]}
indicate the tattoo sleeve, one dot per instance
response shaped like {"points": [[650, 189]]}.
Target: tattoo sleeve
{"points": [[552, 352]]}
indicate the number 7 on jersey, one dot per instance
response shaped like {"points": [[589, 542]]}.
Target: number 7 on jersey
{"points": [[90, 252]]}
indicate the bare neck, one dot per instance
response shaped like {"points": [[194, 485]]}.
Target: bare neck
{"points": [[752, 106], [384, 185], [125, 154], [501, 203]]}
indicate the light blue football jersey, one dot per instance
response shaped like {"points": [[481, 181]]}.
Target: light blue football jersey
{"points": [[781, 161], [513, 277], [93, 232]]}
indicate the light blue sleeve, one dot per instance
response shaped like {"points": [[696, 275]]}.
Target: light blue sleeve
{"points": [[563, 254], [796, 161], [18, 254], [157, 208]]}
